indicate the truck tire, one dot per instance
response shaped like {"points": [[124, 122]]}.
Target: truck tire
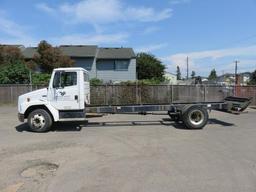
{"points": [[39, 120], [195, 117]]}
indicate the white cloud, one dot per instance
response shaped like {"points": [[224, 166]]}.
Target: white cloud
{"points": [[44, 7], [90, 39], [175, 2], [144, 14], [151, 29], [14, 33], [104, 12], [214, 55], [151, 48], [93, 11]]}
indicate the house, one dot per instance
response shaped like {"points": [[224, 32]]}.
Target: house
{"points": [[170, 78], [244, 78], [21, 47], [229, 79], [115, 64], [107, 64], [226, 79]]}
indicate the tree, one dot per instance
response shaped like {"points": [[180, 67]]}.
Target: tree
{"points": [[213, 75], [14, 73], [193, 74], [41, 78], [253, 78], [49, 57], [10, 54], [178, 73], [149, 67], [12, 66]]}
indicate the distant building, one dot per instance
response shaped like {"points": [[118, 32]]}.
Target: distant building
{"points": [[226, 79], [21, 47], [229, 79], [170, 78], [107, 64], [244, 78]]}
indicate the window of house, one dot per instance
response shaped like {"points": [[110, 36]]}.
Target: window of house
{"points": [[106, 65], [121, 65], [112, 65], [85, 63]]}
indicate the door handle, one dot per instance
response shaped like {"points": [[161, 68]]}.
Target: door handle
{"points": [[76, 97]]}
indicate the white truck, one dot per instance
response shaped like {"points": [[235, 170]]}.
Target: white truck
{"points": [[67, 98]]}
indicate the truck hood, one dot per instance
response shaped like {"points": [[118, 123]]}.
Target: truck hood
{"points": [[40, 94]]}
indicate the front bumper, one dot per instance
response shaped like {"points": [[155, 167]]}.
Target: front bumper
{"points": [[21, 117]]}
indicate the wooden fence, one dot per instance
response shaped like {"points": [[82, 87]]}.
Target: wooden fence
{"points": [[146, 94]]}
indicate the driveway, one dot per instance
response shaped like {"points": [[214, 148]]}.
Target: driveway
{"points": [[151, 154]]}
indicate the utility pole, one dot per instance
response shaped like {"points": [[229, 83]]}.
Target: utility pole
{"points": [[30, 80], [236, 76], [187, 67]]}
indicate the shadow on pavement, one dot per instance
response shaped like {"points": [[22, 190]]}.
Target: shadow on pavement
{"points": [[219, 122], [77, 126], [57, 127], [22, 127]]}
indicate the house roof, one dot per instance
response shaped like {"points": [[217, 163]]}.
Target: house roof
{"points": [[116, 53], [69, 50], [87, 51], [169, 73], [79, 50], [29, 52], [12, 45], [21, 47]]}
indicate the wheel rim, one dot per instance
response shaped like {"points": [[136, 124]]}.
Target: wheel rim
{"points": [[38, 121], [196, 117]]}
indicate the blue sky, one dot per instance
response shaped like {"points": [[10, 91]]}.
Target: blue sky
{"points": [[212, 33]]}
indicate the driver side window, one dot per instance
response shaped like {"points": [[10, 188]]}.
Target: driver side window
{"points": [[64, 79]]}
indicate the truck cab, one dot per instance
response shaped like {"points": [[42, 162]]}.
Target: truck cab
{"points": [[64, 100]]}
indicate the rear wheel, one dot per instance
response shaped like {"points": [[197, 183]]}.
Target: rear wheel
{"points": [[39, 120], [195, 117]]}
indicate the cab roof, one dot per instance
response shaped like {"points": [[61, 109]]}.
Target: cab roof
{"points": [[71, 69]]}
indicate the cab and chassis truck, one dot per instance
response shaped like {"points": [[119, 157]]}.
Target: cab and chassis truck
{"points": [[67, 99]]}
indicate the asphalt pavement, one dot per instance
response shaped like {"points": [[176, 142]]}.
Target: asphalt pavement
{"points": [[124, 153]]}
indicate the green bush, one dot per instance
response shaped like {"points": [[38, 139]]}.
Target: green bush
{"points": [[142, 82], [41, 78], [95, 81], [14, 73]]}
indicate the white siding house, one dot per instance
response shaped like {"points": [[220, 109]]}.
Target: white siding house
{"points": [[107, 64]]}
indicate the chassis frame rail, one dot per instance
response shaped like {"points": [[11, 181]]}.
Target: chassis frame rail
{"points": [[147, 108]]}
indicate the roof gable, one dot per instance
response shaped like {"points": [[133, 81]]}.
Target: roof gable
{"points": [[115, 53], [79, 50]]}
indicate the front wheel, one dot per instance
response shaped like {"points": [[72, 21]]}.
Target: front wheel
{"points": [[195, 117], [39, 120]]}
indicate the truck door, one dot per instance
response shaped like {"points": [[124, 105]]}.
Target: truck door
{"points": [[65, 91], [86, 88]]}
